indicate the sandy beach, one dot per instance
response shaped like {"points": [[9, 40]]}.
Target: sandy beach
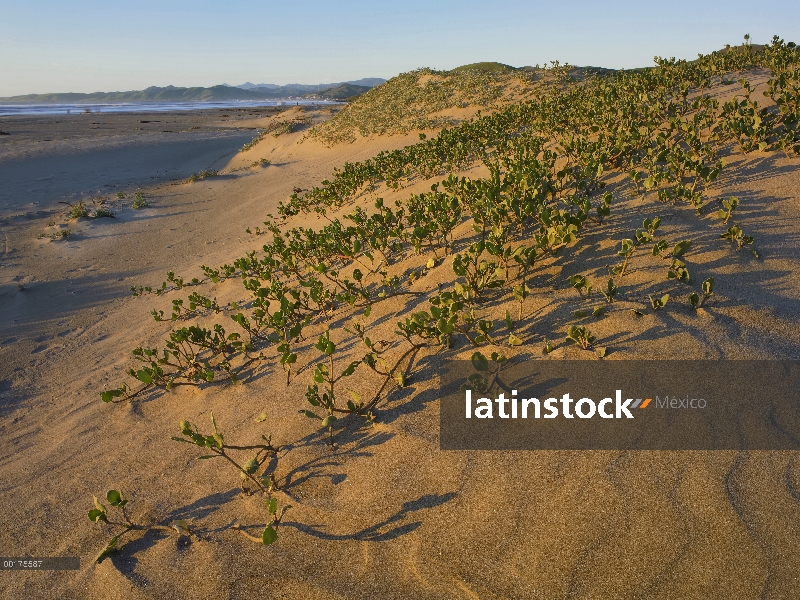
{"points": [[388, 514], [46, 159]]}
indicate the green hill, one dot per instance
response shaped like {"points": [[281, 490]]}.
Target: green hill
{"points": [[339, 92], [490, 67]]}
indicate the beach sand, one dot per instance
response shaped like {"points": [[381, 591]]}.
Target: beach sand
{"points": [[388, 514], [51, 158]]}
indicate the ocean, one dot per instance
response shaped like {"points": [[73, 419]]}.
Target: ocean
{"points": [[84, 108]]}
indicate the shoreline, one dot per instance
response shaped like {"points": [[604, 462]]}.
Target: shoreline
{"points": [[12, 109]]}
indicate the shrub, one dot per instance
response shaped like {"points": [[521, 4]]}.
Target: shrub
{"points": [[205, 173], [139, 201], [78, 210]]}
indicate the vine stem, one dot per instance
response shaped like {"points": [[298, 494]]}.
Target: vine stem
{"points": [[221, 452]]}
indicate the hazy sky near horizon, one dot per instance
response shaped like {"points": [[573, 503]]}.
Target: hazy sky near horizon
{"points": [[88, 45]]}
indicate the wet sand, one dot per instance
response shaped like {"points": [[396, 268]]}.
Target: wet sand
{"points": [[47, 159]]}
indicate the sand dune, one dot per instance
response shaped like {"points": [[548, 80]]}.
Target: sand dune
{"points": [[388, 515]]}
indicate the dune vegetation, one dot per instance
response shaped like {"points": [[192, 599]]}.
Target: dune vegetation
{"points": [[465, 255]]}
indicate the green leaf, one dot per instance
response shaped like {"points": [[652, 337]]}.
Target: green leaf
{"points": [[269, 536], [509, 322], [310, 414], [98, 505], [95, 515], [111, 394], [115, 498], [350, 369], [479, 362], [681, 248], [144, 377], [444, 326], [708, 286], [329, 421], [272, 506]]}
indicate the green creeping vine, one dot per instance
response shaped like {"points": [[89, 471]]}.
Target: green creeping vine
{"points": [[642, 237], [248, 472], [581, 284], [659, 303], [191, 355], [549, 160], [708, 290], [204, 174], [99, 515], [61, 234], [486, 375], [610, 291], [327, 396], [661, 249], [728, 206], [580, 336], [643, 122], [215, 442], [79, 210], [738, 237]]}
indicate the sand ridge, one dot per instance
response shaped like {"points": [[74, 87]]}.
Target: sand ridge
{"points": [[388, 515]]}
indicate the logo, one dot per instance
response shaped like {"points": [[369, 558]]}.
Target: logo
{"points": [[551, 408]]}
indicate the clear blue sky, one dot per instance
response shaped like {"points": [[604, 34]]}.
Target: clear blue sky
{"points": [[84, 46]]}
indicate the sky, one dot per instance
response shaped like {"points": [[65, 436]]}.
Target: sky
{"points": [[87, 46]]}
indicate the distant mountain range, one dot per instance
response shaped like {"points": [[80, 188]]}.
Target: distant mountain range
{"points": [[246, 91], [367, 82]]}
